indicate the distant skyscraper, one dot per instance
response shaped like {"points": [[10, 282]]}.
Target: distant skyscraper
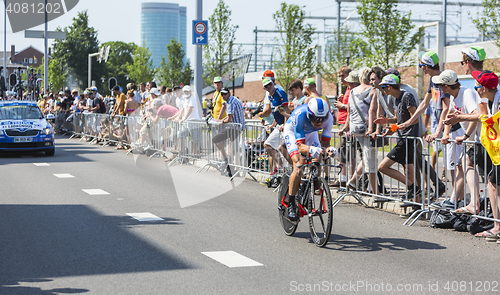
{"points": [[159, 23]]}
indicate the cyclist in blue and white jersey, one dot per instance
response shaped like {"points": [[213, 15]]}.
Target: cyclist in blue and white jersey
{"points": [[301, 137]]}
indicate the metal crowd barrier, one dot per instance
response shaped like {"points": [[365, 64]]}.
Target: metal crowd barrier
{"points": [[471, 186]]}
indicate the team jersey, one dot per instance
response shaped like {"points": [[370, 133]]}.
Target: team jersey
{"points": [[302, 126], [279, 98]]}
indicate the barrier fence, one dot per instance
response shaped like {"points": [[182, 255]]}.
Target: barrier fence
{"points": [[242, 149]]}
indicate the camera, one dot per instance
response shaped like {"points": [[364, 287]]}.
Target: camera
{"points": [[258, 110]]}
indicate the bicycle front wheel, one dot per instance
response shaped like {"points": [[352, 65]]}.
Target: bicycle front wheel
{"points": [[320, 212]]}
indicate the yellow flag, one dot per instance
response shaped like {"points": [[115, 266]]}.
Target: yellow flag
{"points": [[490, 136]]}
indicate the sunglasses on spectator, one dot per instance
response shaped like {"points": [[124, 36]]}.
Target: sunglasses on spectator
{"points": [[477, 87], [315, 119], [423, 65], [384, 86], [462, 62]]}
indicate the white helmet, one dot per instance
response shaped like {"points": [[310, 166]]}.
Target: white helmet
{"points": [[317, 108]]}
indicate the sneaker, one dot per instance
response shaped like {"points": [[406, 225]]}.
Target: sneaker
{"points": [[413, 192], [292, 213]]}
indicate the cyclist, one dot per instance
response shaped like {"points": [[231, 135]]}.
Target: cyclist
{"points": [[301, 137]]}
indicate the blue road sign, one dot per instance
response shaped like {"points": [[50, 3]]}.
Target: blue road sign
{"points": [[200, 32]]}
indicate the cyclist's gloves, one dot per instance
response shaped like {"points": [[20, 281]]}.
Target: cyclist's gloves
{"points": [[315, 151]]}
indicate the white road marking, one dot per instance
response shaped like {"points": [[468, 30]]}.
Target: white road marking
{"points": [[94, 192], [41, 164], [64, 175], [231, 259], [145, 216]]}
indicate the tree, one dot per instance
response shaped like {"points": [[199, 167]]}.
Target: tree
{"points": [[344, 48], [488, 24], [174, 71], [120, 55], [220, 48], [71, 55], [141, 69], [295, 56], [387, 32]]}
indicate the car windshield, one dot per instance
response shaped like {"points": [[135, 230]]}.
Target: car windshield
{"points": [[20, 112]]}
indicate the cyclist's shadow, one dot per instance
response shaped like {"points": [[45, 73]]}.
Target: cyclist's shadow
{"points": [[345, 243]]}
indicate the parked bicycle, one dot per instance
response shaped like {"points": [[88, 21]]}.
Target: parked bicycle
{"points": [[314, 200]]}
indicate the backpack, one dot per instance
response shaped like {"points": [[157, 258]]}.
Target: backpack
{"points": [[477, 225], [442, 218], [102, 106]]}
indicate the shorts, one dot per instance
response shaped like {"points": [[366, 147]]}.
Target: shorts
{"points": [[274, 140], [403, 152], [227, 133], [369, 154], [478, 156], [312, 139], [495, 175], [437, 145], [453, 151]]}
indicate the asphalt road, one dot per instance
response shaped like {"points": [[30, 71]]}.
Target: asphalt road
{"points": [[56, 238]]}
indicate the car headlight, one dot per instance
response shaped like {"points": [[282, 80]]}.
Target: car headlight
{"points": [[47, 131], [2, 132]]}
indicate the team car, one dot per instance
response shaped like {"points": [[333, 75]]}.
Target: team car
{"points": [[23, 127]]}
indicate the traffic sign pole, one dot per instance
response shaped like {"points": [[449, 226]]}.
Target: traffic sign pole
{"points": [[198, 70]]}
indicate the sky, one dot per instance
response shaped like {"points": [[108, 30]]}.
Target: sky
{"points": [[119, 20]]}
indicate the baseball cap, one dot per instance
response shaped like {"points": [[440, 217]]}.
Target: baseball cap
{"points": [[93, 88], [186, 88], [224, 90], [154, 91], [309, 81], [475, 52], [429, 58], [390, 80], [266, 81], [217, 79], [447, 77], [486, 78], [394, 72], [353, 77], [86, 92], [177, 87], [268, 73]]}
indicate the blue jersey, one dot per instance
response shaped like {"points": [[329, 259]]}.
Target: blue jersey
{"points": [[302, 126], [278, 99]]}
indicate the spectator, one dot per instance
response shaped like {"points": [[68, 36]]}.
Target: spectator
{"points": [[120, 102], [278, 105], [404, 107], [234, 111], [341, 104], [362, 98]]}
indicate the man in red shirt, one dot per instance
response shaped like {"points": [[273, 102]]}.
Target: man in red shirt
{"points": [[341, 105]]}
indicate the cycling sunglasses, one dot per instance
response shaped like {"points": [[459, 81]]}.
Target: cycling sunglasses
{"points": [[315, 119]]}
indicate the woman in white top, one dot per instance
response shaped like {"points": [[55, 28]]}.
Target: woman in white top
{"points": [[362, 98]]}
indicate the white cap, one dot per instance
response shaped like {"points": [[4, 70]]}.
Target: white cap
{"points": [[154, 91], [186, 88], [93, 88], [447, 77]]}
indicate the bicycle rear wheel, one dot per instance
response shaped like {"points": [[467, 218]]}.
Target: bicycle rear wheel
{"points": [[320, 212], [289, 227]]}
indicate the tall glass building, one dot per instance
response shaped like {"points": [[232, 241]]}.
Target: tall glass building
{"points": [[159, 23]]}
